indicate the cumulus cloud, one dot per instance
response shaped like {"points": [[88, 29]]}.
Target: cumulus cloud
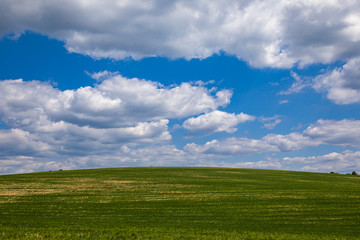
{"points": [[124, 156], [67, 139], [290, 142], [169, 155], [115, 102], [155, 155], [102, 126], [342, 85], [95, 120], [18, 142], [231, 147], [245, 146], [150, 100], [267, 163], [268, 33], [346, 161], [341, 133], [344, 133], [26, 164], [102, 149], [216, 121]]}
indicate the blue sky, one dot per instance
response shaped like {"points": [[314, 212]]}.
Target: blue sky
{"points": [[258, 84]]}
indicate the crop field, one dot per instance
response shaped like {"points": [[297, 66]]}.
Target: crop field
{"points": [[179, 203]]}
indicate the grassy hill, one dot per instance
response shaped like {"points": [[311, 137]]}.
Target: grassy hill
{"points": [[179, 203]]}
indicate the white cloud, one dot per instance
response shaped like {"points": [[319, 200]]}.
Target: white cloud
{"points": [[98, 120], [102, 126], [231, 147], [267, 163], [18, 142], [150, 100], [344, 133], [290, 142], [342, 84], [274, 33], [61, 138], [216, 121], [283, 101], [154, 155], [80, 148], [124, 156], [115, 102], [299, 84], [341, 133], [270, 122], [346, 161], [169, 155], [25, 164], [100, 76]]}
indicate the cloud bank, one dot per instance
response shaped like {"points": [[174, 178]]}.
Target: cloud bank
{"points": [[23, 151], [345, 161], [92, 120], [269, 33], [344, 133]]}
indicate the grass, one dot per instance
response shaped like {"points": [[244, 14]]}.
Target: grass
{"points": [[179, 203]]}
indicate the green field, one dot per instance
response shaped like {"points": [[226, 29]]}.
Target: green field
{"points": [[179, 203]]}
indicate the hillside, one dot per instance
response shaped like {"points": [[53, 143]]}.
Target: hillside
{"points": [[179, 203]]}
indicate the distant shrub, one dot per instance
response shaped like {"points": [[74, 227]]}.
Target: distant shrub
{"points": [[60, 169], [332, 172], [354, 173]]}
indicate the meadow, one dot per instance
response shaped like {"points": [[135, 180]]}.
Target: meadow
{"points": [[179, 203]]}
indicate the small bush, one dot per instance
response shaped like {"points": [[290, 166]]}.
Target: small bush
{"points": [[354, 173]]}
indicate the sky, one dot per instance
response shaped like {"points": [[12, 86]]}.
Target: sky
{"points": [[268, 84]]}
